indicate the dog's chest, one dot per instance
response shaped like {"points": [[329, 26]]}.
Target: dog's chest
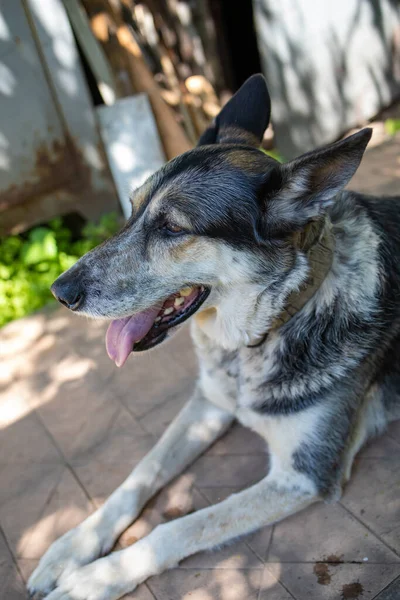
{"points": [[219, 373], [233, 379]]}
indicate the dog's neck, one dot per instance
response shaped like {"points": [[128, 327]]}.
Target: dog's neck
{"points": [[318, 243], [258, 316]]}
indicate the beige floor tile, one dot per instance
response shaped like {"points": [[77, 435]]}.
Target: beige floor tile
{"points": [[27, 566], [147, 391], [101, 478], [373, 495], [378, 173], [26, 440], [333, 582], [24, 492], [326, 532], [5, 554], [11, 585], [391, 592], [119, 445], [14, 399], [385, 446], [66, 507], [394, 430], [10, 582], [147, 380], [207, 584], [228, 470], [271, 588], [93, 426], [141, 593], [157, 420], [239, 440], [80, 420]]}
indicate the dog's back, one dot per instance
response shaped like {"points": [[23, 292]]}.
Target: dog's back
{"points": [[384, 213]]}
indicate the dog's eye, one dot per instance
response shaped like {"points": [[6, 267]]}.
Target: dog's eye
{"points": [[172, 229]]}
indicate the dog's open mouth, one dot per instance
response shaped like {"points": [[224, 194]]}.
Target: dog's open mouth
{"points": [[148, 328]]}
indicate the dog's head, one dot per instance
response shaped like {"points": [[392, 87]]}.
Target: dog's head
{"points": [[212, 233]]}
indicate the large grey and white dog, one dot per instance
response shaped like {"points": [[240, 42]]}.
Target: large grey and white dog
{"points": [[292, 287]]}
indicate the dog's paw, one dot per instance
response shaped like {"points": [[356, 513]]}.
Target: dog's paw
{"points": [[74, 549], [101, 580]]}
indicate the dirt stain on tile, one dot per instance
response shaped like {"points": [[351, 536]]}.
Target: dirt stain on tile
{"points": [[352, 591], [333, 559], [321, 571]]}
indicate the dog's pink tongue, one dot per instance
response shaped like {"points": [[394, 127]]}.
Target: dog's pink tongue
{"points": [[123, 333]]}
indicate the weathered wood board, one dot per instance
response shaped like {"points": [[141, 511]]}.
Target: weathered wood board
{"points": [[132, 144]]}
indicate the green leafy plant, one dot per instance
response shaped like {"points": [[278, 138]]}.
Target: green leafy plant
{"points": [[392, 126], [30, 263]]}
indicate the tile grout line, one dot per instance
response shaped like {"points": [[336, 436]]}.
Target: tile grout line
{"points": [[188, 391], [279, 582], [393, 439], [150, 590], [369, 529], [253, 551], [387, 587], [135, 417], [286, 588], [82, 487], [202, 494], [13, 557], [155, 407], [49, 435], [66, 462], [271, 539], [261, 582], [48, 500]]}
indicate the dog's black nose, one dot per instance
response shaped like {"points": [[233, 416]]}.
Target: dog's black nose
{"points": [[67, 289]]}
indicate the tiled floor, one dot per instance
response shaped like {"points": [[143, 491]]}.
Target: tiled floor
{"points": [[72, 426]]}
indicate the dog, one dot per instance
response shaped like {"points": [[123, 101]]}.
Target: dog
{"points": [[291, 285]]}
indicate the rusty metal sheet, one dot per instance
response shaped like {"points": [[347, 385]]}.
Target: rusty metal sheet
{"points": [[49, 143], [33, 152]]}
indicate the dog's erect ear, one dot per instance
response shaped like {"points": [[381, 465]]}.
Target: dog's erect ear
{"points": [[301, 190], [244, 118]]}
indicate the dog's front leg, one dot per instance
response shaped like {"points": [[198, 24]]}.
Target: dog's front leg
{"points": [[113, 576], [197, 425]]}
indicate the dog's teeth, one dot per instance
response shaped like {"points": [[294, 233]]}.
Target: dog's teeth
{"points": [[158, 319], [202, 288], [186, 292], [168, 311], [179, 301]]}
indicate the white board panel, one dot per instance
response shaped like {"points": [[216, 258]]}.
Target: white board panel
{"points": [[132, 144]]}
